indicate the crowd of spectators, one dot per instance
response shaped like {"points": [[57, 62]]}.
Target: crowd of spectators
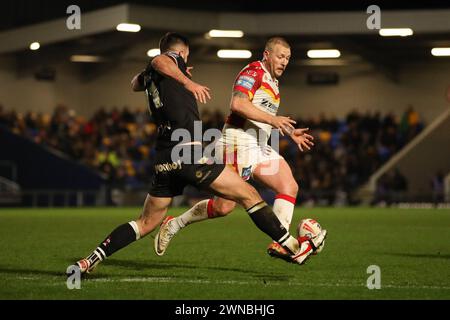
{"points": [[119, 143], [438, 187], [391, 188], [347, 151], [115, 142]]}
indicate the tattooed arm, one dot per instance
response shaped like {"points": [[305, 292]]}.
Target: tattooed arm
{"points": [[241, 104]]}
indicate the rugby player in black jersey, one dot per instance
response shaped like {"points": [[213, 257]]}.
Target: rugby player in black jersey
{"points": [[173, 106]]}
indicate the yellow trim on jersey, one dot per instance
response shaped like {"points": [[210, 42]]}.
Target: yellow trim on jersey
{"points": [[270, 93], [250, 94]]}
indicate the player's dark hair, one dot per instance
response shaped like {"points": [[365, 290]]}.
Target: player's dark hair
{"points": [[170, 40]]}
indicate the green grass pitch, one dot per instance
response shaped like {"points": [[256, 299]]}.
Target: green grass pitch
{"points": [[225, 258]]}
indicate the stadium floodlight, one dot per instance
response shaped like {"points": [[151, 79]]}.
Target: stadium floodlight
{"points": [[441, 52], [35, 46], [225, 33], [128, 27], [153, 52], [396, 32], [326, 53], [85, 58], [234, 54]]}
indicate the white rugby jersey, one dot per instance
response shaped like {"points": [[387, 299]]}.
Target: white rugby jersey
{"points": [[256, 82]]}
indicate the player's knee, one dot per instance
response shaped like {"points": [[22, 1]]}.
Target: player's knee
{"points": [[294, 189], [252, 194], [291, 189]]}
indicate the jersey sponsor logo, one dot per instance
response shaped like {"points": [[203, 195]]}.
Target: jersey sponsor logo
{"points": [[251, 73], [202, 176], [167, 167], [268, 105], [246, 82]]}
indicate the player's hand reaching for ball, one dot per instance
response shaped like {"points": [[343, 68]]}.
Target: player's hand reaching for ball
{"points": [[302, 139]]}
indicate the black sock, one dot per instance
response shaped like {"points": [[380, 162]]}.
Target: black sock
{"points": [[122, 236], [264, 218]]}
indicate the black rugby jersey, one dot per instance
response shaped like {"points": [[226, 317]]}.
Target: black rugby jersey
{"points": [[171, 105]]}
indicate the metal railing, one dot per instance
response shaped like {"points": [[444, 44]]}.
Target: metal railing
{"points": [[9, 192], [8, 169]]}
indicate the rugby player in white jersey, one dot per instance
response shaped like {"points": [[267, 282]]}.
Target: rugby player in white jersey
{"points": [[244, 145]]}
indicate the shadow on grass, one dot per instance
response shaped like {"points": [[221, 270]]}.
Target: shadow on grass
{"points": [[141, 265], [32, 272], [137, 265]]}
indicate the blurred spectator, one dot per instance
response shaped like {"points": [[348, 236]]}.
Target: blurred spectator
{"points": [[349, 150], [391, 188], [117, 143], [437, 187], [120, 143], [410, 125]]}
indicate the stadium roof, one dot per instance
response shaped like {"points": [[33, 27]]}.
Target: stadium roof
{"points": [[306, 25], [17, 13]]}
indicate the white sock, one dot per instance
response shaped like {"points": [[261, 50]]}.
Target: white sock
{"points": [[283, 207], [290, 243], [199, 212], [135, 227]]}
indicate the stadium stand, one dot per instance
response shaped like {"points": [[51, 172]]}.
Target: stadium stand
{"points": [[119, 144], [418, 161], [447, 187], [347, 152]]}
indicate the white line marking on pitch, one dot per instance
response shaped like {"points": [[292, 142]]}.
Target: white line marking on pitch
{"points": [[232, 282], [200, 281]]}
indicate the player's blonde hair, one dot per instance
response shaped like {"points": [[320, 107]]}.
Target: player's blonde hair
{"points": [[270, 44]]}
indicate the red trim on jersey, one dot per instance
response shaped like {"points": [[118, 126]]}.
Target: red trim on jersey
{"points": [[235, 160], [254, 71], [210, 209], [286, 197], [245, 91]]}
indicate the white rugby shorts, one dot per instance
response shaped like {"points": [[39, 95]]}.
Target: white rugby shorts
{"points": [[244, 153]]}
